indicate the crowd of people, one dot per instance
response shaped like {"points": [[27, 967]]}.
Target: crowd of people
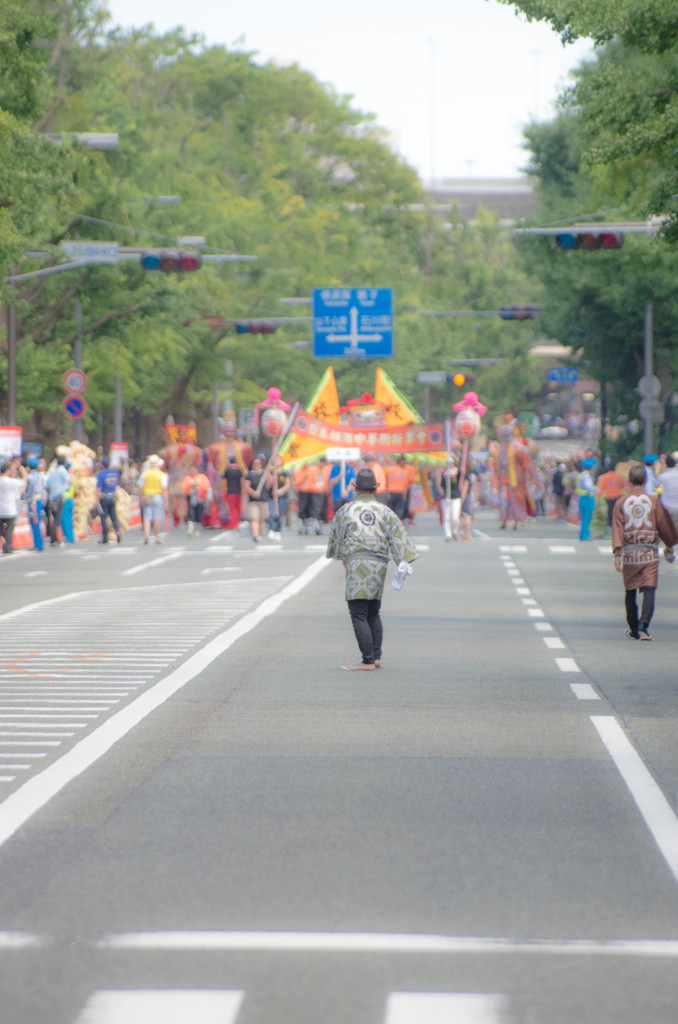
{"points": [[267, 498]]}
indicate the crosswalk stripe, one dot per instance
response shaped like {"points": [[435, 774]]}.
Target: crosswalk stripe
{"points": [[444, 1008], [170, 1006]]}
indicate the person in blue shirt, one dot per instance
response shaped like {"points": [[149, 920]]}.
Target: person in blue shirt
{"points": [[34, 496], [341, 483], [107, 484]]}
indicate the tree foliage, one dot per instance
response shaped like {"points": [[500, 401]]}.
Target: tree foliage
{"points": [[626, 100], [268, 162]]}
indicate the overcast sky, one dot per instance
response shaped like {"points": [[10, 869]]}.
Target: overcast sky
{"points": [[452, 81]]}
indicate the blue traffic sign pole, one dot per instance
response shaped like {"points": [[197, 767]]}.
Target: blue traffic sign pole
{"points": [[353, 323]]}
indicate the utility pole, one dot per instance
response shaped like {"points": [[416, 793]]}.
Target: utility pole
{"points": [[11, 359], [77, 361], [117, 419]]}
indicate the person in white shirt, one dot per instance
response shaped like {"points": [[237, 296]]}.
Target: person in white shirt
{"points": [[13, 480], [667, 486]]}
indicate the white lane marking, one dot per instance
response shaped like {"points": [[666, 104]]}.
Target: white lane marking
{"points": [[513, 572], [553, 641], [444, 1008], [512, 547], [584, 691], [19, 940], [567, 665], [222, 568], [382, 942], [517, 581], [171, 1006], [605, 550], [39, 790], [154, 561], [528, 601], [561, 549], [522, 590], [38, 572], [543, 627], [535, 613], [651, 802]]}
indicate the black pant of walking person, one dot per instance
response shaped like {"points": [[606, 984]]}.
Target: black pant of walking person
{"points": [[368, 629]]}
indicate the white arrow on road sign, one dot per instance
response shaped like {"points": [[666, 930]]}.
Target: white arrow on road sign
{"points": [[353, 336]]}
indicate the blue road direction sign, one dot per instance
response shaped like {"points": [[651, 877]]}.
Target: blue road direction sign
{"points": [[563, 375], [353, 323]]}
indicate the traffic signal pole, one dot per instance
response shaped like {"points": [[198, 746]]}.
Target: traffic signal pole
{"points": [[647, 365]]}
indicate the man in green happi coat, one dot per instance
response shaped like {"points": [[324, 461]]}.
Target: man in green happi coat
{"points": [[365, 535]]}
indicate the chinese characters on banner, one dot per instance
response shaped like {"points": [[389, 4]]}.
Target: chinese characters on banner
{"points": [[415, 437]]}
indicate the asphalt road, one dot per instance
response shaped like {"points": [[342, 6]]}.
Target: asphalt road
{"points": [[205, 820]]}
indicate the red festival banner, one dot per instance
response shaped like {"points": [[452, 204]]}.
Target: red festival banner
{"points": [[415, 437]]}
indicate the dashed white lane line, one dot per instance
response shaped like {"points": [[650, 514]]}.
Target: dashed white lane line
{"points": [[657, 813], [442, 1007], [543, 627], [535, 613], [553, 642], [154, 561], [584, 691], [171, 1006], [567, 665], [562, 549]]}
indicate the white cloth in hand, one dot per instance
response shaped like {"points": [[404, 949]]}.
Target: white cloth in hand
{"points": [[404, 569]]}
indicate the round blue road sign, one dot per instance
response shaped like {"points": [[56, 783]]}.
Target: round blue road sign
{"points": [[74, 406]]}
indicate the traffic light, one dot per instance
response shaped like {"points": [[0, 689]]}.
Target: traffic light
{"points": [[590, 240], [519, 312], [256, 327], [171, 261], [460, 379]]}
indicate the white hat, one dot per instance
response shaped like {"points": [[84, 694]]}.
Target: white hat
{"points": [[154, 460]]}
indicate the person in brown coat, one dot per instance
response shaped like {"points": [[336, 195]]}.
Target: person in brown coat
{"points": [[639, 522]]}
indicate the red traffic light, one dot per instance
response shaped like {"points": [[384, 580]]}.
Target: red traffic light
{"points": [[590, 240], [256, 327], [171, 261], [527, 312]]}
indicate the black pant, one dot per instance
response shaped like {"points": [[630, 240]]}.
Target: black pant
{"points": [[196, 511], [397, 501], [6, 531], [646, 612], [54, 510], [107, 503], [367, 628]]}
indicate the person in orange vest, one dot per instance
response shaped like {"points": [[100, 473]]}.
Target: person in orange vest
{"points": [[197, 489], [398, 480], [611, 485], [317, 484], [304, 496]]}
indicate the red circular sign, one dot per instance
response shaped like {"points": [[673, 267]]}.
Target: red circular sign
{"points": [[74, 406], [74, 380]]}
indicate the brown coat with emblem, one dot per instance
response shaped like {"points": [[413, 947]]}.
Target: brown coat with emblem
{"points": [[639, 522]]}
